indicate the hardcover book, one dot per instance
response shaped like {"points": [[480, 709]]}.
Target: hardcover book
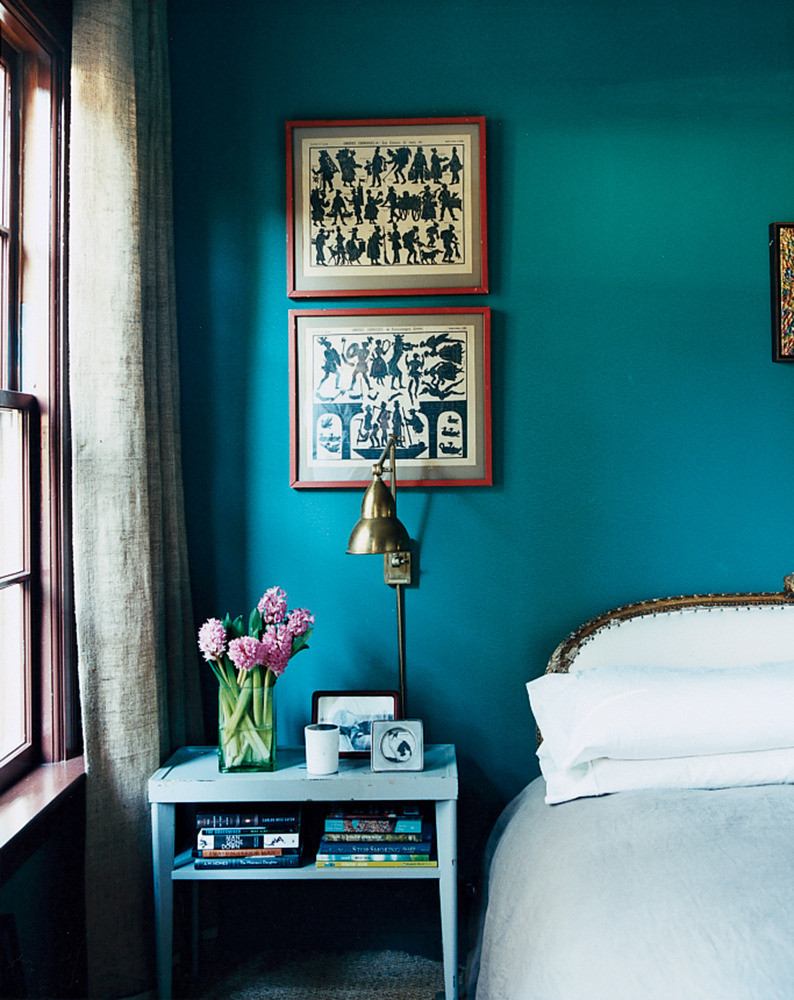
{"points": [[209, 841], [360, 838], [242, 815], [290, 861], [379, 846], [325, 856], [250, 852], [376, 864], [372, 824]]}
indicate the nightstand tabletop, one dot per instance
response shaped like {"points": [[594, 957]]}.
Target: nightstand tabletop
{"points": [[192, 775]]}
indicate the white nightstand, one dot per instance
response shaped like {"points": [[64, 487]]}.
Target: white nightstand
{"points": [[192, 776]]}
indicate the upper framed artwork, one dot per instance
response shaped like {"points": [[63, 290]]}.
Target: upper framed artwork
{"points": [[360, 375], [386, 207], [781, 248]]}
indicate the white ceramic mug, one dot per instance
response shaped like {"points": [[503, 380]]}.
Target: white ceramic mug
{"points": [[322, 748]]}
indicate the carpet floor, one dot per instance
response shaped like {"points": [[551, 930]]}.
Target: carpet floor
{"points": [[358, 975]]}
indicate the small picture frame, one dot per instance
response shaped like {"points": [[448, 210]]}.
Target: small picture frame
{"points": [[398, 745], [781, 261], [355, 712]]}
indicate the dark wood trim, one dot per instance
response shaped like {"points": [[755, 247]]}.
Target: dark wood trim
{"points": [[42, 27], [29, 811]]}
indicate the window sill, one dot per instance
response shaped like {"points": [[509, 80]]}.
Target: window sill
{"points": [[27, 809]]}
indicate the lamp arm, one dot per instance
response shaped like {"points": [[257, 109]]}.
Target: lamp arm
{"points": [[389, 450], [393, 463], [377, 468]]}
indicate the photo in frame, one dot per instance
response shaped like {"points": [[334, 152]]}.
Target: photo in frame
{"points": [[781, 260], [386, 207], [355, 712], [359, 375], [398, 746]]}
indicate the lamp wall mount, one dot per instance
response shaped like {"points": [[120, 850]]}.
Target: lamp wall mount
{"points": [[397, 569]]}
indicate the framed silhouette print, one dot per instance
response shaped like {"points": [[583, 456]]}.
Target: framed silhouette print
{"points": [[389, 207], [358, 376]]}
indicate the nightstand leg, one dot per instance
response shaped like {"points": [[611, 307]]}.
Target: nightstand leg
{"points": [[194, 930], [163, 833], [446, 834]]}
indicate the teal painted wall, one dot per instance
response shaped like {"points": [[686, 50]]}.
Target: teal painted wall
{"points": [[637, 153]]}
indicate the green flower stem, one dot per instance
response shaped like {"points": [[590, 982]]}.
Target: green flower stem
{"points": [[258, 696], [260, 749], [243, 701]]}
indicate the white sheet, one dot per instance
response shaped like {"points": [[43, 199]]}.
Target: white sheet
{"points": [[647, 895]]}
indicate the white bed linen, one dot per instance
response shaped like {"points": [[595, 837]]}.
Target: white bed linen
{"points": [[646, 895], [716, 770], [652, 713]]}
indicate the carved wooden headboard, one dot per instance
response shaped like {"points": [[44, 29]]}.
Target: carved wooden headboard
{"points": [[569, 648]]}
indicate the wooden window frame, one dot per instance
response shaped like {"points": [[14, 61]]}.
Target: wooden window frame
{"points": [[40, 280]]}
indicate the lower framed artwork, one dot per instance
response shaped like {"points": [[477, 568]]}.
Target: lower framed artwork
{"points": [[359, 375], [781, 261]]}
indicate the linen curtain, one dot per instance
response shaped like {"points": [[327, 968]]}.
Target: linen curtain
{"points": [[136, 641]]}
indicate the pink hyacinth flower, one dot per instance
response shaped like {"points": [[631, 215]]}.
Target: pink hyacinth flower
{"points": [[246, 652], [212, 639], [278, 648], [273, 605], [299, 621]]}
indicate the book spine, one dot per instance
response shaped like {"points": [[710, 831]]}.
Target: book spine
{"points": [[373, 857], [333, 825], [362, 838], [285, 821], [240, 841], [245, 831], [376, 864], [201, 864], [404, 811], [251, 852], [374, 848]]}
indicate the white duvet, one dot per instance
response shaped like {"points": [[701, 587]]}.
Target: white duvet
{"points": [[646, 895]]}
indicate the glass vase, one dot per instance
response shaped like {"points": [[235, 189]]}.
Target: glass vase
{"points": [[247, 728]]}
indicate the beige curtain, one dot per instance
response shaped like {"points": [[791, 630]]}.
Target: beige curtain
{"points": [[136, 639]]}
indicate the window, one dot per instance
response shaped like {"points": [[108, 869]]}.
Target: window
{"points": [[38, 717]]}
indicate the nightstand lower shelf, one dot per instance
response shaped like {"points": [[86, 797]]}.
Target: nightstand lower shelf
{"points": [[191, 776]]}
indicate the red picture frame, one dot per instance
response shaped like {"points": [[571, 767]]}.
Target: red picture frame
{"points": [[390, 206], [359, 375]]}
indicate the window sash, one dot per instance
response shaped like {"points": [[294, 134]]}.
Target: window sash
{"points": [[33, 360], [19, 581]]}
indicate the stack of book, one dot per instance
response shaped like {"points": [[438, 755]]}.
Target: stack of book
{"points": [[247, 837], [380, 837]]}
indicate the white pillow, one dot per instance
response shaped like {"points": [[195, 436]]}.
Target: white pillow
{"points": [[601, 777], [633, 713]]}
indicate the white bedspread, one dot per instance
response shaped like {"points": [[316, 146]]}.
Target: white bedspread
{"points": [[647, 895]]}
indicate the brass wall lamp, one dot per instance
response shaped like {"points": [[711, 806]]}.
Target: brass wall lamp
{"points": [[379, 531]]}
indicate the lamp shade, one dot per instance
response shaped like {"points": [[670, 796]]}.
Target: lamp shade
{"points": [[378, 529]]}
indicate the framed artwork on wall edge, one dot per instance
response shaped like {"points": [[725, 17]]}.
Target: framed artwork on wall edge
{"points": [[355, 713], [358, 375], [390, 206], [781, 262]]}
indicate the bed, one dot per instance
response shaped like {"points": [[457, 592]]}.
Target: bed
{"points": [[654, 857]]}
